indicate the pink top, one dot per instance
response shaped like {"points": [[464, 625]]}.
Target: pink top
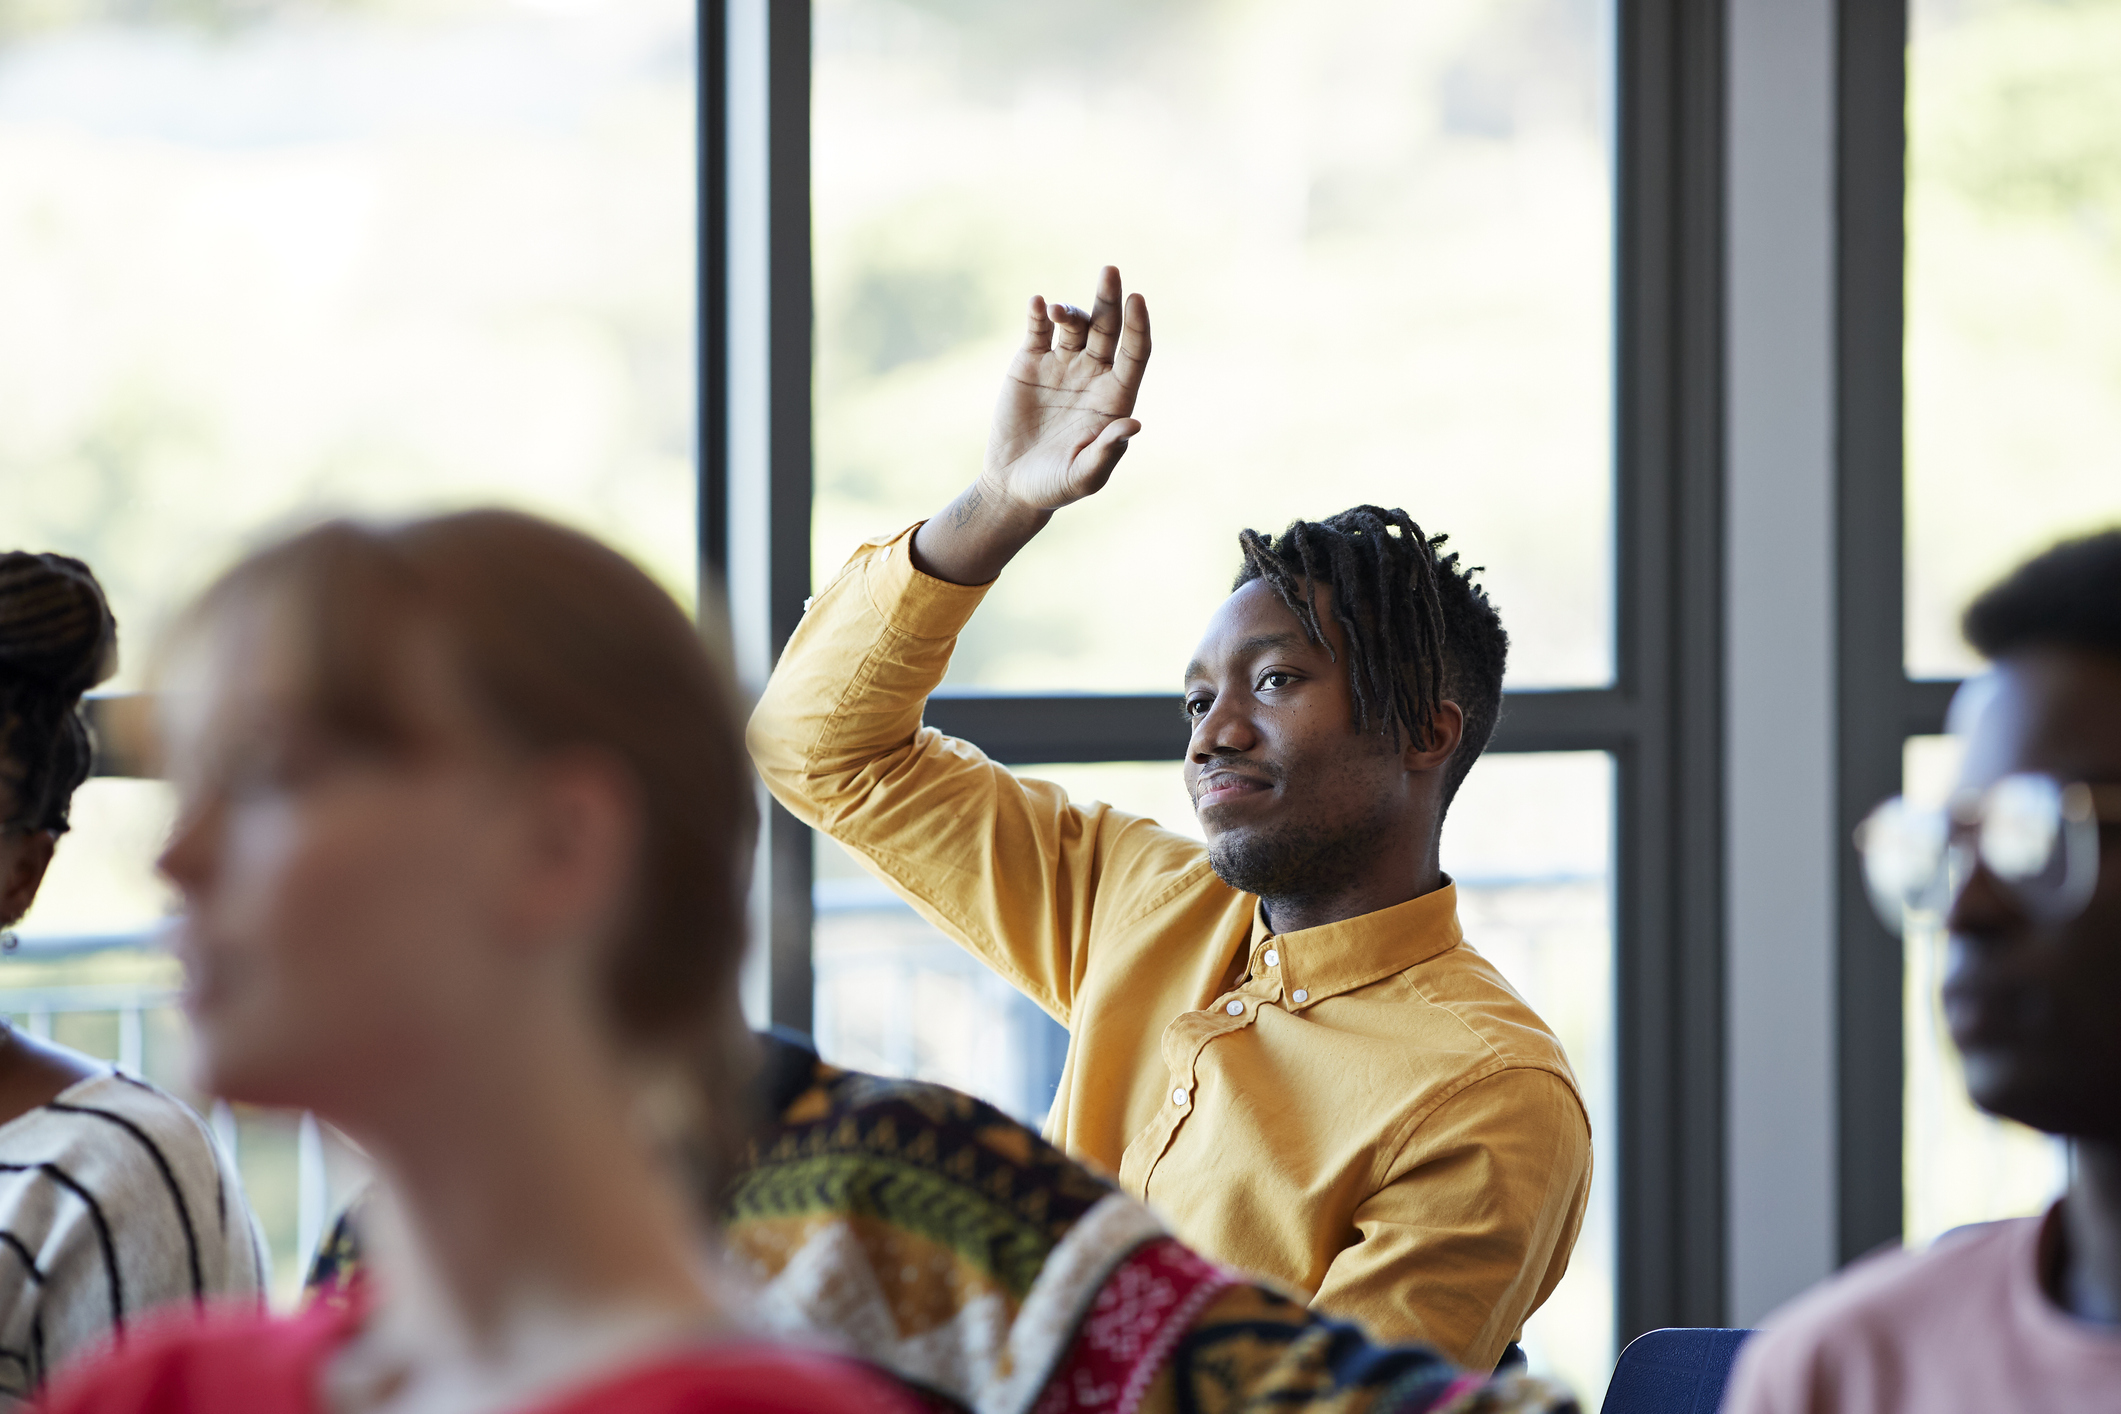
{"points": [[1964, 1326]]}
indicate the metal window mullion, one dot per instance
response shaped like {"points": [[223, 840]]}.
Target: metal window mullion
{"points": [[1875, 704], [755, 414], [1667, 480], [1020, 729]]}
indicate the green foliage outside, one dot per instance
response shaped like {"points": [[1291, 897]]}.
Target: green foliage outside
{"points": [[2013, 296]]}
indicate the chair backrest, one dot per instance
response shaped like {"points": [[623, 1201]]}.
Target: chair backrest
{"points": [[1673, 1372]]}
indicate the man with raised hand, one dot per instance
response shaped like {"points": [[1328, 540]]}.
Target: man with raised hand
{"points": [[2025, 869], [1279, 1040]]}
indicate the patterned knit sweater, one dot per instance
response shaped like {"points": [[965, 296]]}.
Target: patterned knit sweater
{"points": [[935, 1237]]}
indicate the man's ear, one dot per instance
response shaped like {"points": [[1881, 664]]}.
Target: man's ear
{"points": [[23, 859], [1446, 729]]}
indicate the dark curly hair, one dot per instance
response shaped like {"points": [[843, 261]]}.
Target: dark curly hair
{"points": [[57, 640], [2068, 596], [1420, 632]]}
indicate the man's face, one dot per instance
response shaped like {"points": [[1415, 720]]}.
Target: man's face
{"points": [[2034, 1008], [1294, 801]]}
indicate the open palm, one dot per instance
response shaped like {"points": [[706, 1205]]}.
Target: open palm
{"points": [[1063, 420]]}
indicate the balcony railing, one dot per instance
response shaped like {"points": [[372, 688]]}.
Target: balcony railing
{"points": [[295, 1171]]}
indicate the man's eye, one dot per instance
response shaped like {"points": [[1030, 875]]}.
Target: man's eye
{"points": [[1196, 708], [1277, 679]]}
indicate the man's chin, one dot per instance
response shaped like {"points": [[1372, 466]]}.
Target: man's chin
{"points": [[1273, 863], [2006, 1083]]}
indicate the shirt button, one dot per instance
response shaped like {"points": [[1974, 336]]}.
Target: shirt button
{"points": [[1300, 995], [1235, 1008], [1179, 1096], [1273, 958]]}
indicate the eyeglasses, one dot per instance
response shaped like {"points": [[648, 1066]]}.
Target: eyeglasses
{"points": [[2036, 836]]}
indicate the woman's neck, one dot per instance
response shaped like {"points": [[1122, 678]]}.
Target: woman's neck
{"points": [[524, 1196]]}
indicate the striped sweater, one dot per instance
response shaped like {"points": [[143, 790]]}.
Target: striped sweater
{"points": [[114, 1200]]}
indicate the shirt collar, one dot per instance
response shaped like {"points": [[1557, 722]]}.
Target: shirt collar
{"points": [[1339, 957]]}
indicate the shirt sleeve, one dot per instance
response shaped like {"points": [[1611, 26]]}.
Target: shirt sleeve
{"points": [[1474, 1229], [1005, 866]]}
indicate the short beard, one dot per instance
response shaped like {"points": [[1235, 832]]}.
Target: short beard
{"points": [[1295, 864]]}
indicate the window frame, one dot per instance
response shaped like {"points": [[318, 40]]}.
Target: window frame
{"points": [[1661, 719], [1879, 705]]}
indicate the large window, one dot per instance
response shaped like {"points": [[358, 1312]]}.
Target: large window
{"points": [[262, 262], [1375, 238], [2013, 297], [2013, 411]]}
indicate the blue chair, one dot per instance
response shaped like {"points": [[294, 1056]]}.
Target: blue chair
{"points": [[1673, 1372]]}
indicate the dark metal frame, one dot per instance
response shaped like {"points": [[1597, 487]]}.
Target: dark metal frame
{"points": [[1878, 706], [1662, 720], [785, 860]]}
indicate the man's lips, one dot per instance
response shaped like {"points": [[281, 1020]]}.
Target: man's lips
{"points": [[1220, 786]]}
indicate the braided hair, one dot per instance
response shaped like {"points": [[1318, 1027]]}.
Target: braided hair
{"points": [[1419, 631], [57, 640]]}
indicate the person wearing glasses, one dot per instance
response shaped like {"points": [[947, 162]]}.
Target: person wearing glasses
{"points": [[2023, 871], [1278, 1038]]}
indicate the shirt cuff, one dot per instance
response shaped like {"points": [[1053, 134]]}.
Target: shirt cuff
{"points": [[917, 605]]}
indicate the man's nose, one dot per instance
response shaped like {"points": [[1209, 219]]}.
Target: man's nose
{"points": [[1981, 907], [1226, 729]]}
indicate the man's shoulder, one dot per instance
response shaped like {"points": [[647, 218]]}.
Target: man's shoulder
{"points": [[1465, 990], [1883, 1310]]}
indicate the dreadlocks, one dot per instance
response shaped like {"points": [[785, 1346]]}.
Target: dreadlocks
{"points": [[1419, 631]]}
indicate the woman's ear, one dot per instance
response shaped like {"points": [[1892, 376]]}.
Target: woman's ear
{"points": [[581, 840], [1446, 729], [24, 856]]}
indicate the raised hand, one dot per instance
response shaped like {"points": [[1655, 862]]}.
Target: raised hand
{"points": [[1060, 428], [1062, 422]]}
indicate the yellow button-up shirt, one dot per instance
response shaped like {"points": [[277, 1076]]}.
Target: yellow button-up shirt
{"points": [[1363, 1110]]}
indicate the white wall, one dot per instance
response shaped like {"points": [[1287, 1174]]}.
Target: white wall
{"points": [[1780, 651]]}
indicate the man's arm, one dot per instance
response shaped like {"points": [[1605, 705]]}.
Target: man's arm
{"points": [[1007, 867], [1475, 1230], [1060, 428]]}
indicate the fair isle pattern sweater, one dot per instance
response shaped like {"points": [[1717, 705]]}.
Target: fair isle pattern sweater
{"points": [[114, 1201]]}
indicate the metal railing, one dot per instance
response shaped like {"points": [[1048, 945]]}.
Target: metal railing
{"points": [[38, 1006]]}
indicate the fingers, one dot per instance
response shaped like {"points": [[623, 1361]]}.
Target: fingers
{"points": [[1133, 357], [1071, 326], [1040, 338], [1104, 315], [1115, 331], [1094, 463]]}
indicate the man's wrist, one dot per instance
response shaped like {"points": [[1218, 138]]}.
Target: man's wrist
{"points": [[977, 534]]}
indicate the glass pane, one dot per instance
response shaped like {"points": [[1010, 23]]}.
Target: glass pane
{"points": [[266, 260], [263, 260], [1958, 1164], [2013, 297], [1375, 241], [1529, 841]]}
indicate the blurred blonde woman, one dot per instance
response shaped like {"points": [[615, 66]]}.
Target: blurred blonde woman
{"points": [[463, 828], [114, 1199]]}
